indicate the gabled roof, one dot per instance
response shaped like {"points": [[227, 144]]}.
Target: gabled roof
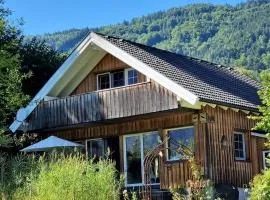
{"points": [[192, 80], [210, 82]]}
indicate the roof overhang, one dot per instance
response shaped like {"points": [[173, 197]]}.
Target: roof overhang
{"points": [[82, 60], [256, 134], [145, 69]]}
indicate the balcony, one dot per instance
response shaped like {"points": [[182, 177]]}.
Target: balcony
{"points": [[101, 106]]}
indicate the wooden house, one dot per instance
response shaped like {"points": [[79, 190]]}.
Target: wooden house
{"points": [[117, 94]]}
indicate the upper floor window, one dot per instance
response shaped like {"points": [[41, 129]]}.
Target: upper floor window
{"points": [[239, 146], [117, 78], [103, 81], [183, 136], [132, 76]]}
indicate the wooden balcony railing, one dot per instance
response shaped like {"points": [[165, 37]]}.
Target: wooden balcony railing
{"points": [[102, 105]]}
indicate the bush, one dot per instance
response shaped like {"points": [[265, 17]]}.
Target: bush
{"points": [[72, 177], [15, 170], [60, 177], [260, 186]]}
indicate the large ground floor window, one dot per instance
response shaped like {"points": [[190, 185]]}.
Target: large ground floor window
{"points": [[135, 149], [184, 136]]}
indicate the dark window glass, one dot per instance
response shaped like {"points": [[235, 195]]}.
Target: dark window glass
{"points": [[118, 79], [133, 159], [150, 141], [103, 81], [132, 76], [96, 148], [239, 147], [184, 136], [266, 159], [137, 147]]}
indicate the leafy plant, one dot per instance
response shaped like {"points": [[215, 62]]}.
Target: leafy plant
{"points": [[263, 120], [71, 177], [260, 185]]}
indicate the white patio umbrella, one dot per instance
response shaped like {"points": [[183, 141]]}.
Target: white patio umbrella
{"points": [[49, 144]]}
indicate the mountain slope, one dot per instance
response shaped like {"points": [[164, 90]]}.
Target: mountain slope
{"points": [[230, 35]]}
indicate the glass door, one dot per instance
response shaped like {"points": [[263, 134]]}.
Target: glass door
{"points": [[135, 149], [133, 157]]}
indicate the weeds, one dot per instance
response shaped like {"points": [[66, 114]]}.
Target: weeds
{"points": [[62, 176]]}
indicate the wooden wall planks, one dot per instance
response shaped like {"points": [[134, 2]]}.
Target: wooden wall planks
{"points": [[218, 162], [173, 174], [223, 168], [257, 147], [107, 64], [102, 105]]}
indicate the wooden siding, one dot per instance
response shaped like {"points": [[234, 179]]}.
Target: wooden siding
{"points": [[102, 105], [217, 162], [257, 146], [172, 174], [107, 64], [223, 168]]}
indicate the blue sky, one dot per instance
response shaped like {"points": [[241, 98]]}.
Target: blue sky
{"points": [[47, 16]]}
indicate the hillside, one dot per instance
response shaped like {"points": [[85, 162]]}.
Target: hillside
{"points": [[230, 35]]}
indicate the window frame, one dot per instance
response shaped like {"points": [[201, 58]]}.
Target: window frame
{"points": [[94, 139], [110, 86], [142, 157], [126, 76], [112, 78], [264, 158], [244, 147], [125, 72], [167, 143]]}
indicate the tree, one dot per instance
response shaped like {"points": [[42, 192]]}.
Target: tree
{"points": [[20, 59], [11, 95], [264, 119], [41, 61], [260, 185]]}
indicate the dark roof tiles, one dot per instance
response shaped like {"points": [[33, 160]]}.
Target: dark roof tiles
{"points": [[210, 82]]}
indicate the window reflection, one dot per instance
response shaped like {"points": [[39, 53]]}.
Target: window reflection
{"points": [[96, 148], [150, 141], [137, 147], [184, 136], [133, 156]]}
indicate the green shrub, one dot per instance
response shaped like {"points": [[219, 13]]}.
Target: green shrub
{"points": [[260, 186], [71, 177], [15, 170]]}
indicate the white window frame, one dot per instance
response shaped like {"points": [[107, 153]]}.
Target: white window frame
{"points": [[264, 158], [95, 139], [110, 84], [110, 78], [244, 146], [126, 76], [167, 143], [142, 157]]}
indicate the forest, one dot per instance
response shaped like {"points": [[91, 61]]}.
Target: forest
{"points": [[235, 36]]}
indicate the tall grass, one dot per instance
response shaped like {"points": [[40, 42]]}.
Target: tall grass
{"points": [[14, 172], [64, 177]]}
